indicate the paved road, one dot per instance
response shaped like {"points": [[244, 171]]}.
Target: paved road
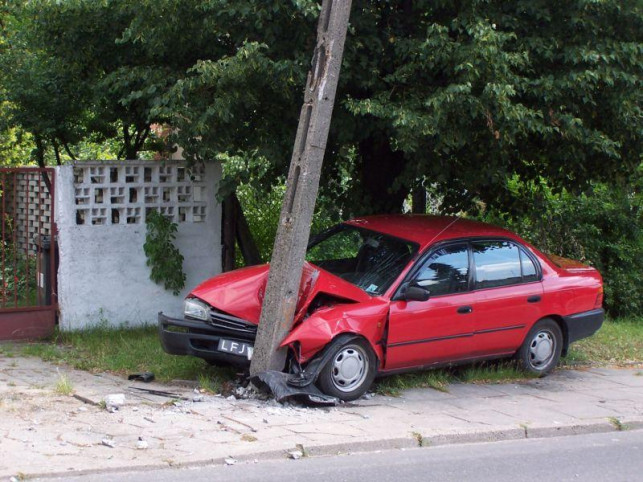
{"points": [[616, 456]]}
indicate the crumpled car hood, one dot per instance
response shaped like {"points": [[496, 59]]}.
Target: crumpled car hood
{"points": [[240, 292]]}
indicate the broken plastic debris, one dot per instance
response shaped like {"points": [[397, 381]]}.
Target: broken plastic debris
{"points": [[142, 377], [278, 383], [295, 454], [108, 443], [230, 461], [115, 400], [141, 444]]}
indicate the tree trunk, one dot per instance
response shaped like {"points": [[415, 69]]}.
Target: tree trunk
{"points": [[418, 201], [40, 159], [228, 234], [249, 250], [380, 167]]}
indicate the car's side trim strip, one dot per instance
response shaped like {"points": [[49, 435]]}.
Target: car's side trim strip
{"points": [[504, 328], [429, 340], [451, 337]]}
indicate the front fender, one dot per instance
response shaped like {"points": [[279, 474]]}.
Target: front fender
{"points": [[367, 320]]}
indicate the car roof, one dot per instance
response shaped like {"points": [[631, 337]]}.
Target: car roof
{"points": [[425, 229]]}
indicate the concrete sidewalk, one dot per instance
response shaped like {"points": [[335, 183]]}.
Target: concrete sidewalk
{"points": [[42, 433]]}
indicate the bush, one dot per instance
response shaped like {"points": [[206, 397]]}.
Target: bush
{"points": [[18, 276], [163, 257], [262, 209], [601, 228]]}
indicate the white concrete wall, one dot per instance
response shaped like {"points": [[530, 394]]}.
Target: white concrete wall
{"points": [[102, 272]]}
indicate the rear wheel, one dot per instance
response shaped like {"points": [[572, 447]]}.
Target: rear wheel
{"points": [[350, 371], [541, 350]]}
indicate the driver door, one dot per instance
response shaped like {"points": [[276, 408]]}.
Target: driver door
{"points": [[441, 328]]}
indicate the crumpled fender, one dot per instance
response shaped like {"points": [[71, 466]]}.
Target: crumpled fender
{"points": [[301, 385], [278, 383], [367, 319]]}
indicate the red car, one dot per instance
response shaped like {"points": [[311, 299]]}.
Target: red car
{"points": [[386, 294]]}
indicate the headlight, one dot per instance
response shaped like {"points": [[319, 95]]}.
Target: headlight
{"points": [[194, 308]]}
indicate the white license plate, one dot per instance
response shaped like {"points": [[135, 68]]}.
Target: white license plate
{"points": [[236, 348]]}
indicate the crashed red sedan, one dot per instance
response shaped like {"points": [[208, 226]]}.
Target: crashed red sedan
{"points": [[386, 294]]}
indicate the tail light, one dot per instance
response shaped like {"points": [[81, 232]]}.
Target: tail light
{"points": [[599, 299]]}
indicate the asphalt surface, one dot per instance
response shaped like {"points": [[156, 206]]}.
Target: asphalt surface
{"points": [[593, 457]]}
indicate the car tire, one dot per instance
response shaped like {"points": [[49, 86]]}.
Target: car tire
{"points": [[350, 370], [541, 350]]}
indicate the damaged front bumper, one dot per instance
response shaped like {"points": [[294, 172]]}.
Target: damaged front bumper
{"points": [[181, 336]]}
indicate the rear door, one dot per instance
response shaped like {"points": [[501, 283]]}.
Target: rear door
{"points": [[441, 328], [509, 301]]}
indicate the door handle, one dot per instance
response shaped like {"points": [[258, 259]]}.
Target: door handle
{"points": [[465, 310], [533, 299]]}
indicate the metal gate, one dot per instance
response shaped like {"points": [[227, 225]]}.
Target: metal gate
{"points": [[28, 254]]}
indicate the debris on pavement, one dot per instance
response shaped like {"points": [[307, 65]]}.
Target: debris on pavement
{"points": [[295, 454], [230, 461], [145, 377], [115, 400], [160, 393], [84, 399], [141, 444], [108, 443], [279, 383]]}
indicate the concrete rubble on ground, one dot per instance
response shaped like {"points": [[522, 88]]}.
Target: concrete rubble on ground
{"points": [[42, 432]]}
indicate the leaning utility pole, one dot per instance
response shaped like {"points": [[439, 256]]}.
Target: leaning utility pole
{"points": [[288, 254]]}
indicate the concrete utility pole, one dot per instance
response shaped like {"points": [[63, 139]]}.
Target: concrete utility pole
{"points": [[293, 231]]}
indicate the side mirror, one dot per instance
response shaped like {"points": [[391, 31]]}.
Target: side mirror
{"points": [[416, 293]]}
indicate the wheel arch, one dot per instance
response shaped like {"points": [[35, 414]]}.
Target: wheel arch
{"points": [[340, 339], [563, 328]]}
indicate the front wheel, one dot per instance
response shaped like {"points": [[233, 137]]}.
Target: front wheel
{"points": [[349, 372], [541, 350]]}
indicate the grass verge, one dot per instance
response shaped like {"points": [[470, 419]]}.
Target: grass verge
{"points": [[617, 343], [125, 351]]}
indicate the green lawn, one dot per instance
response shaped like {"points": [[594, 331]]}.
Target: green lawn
{"points": [[125, 351]]}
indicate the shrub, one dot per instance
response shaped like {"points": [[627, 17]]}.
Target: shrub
{"points": [[601, 227], [163, 257], [262, 209]]}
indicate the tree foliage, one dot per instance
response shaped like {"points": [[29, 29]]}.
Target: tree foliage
{"points": [[455, 95], [458, 95], [603, 227]]}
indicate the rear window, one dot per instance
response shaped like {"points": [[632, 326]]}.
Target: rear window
{"points": [[502, 263], [497, 264]]}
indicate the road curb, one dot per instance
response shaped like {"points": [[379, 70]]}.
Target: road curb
{"points": [[414, 440]]}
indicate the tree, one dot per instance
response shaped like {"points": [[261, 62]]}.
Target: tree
{"points": [[456, 95], [67, 80], [452, 95]]}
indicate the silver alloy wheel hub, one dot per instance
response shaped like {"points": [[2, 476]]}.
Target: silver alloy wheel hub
{"points": [[541, 349], [350, 366]]}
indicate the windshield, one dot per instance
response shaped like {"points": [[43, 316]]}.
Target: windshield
{"points": [[367, 259]]}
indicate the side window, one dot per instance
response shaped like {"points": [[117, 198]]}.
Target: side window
{"points": [[529, 272], [446, 271], [497, 263]]}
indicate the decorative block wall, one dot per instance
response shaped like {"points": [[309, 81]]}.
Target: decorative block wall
{"points": [[101, 212], [109, 194], [27, 205]]}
